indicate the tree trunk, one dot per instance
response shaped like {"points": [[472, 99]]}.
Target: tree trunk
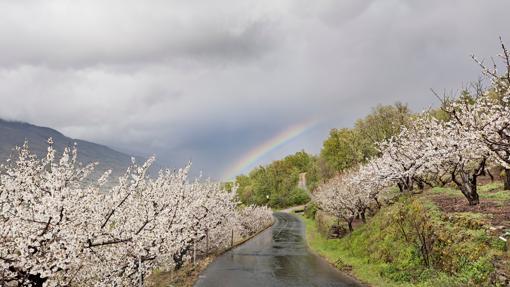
{"points": [[490, 175], [420, 184], [400, 187], [468, 188], [506, 179], [363, 218], [377, 202], [471, 195], [467, 182], [349, 223], [406, 186]]}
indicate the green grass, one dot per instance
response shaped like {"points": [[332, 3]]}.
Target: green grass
{"points": [[445, 191], [492, 191], [503, 195], [490, 187], [336, 253], [379, 254]]}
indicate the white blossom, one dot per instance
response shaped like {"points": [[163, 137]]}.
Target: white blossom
{"points": [[57, 228]]}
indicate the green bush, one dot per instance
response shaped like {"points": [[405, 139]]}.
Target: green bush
{"points": [[276, 184], [477, 272], [310, 210], [459, 249], [298, 197], [324, 222]]}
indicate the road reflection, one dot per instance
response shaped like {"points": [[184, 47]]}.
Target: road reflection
{"points": [[276, 257]]}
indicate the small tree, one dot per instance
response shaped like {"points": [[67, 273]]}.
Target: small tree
{"points": [[342, 199], [405, 158]]}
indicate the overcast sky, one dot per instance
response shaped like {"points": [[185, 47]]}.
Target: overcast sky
{"points": [[211, 80]]}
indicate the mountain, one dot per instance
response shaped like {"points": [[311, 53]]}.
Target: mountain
{"points": [[14, 134]]}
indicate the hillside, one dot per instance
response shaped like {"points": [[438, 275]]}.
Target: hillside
{"points": [[13, 134], [427, 239]]}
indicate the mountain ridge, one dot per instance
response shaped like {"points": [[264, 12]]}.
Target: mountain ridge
{"points": [[15, 133]]}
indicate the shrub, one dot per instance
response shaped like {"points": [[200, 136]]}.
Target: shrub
{"points": [[310, 210]]}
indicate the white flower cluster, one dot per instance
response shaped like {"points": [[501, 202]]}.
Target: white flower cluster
{"points": [[475, 136], [58, 229], [343, 198], [253, 219]]}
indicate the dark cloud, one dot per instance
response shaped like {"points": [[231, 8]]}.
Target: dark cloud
{"points": [[88, 33], [184, 79]]}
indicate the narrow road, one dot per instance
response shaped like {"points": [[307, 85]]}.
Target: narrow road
{"points": [[278, 256]]}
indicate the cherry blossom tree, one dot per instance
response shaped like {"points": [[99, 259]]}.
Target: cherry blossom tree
{"points": [[58, 228], [488, 112], [429, 151], [461, 153], [253, 219], [367, 178], [405, 158], [342, 199], [40, 208]]}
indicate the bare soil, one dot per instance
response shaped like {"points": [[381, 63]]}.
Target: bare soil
{"points": [[498, 211]]}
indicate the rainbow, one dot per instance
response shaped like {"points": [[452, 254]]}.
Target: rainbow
{"points": [[252, 156]]}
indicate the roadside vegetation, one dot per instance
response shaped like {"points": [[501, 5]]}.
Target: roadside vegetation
{"points": [[430, 239], [431, 206], [419, 199], [276, 185]]}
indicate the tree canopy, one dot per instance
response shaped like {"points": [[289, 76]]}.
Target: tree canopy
{"points": [[277, 183], [346, 148]]}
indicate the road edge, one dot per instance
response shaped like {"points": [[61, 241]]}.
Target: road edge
{"points": [[347, 273], [193, 277]]}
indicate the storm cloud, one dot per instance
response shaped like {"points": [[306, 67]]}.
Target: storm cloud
{"points": [[209, 80]]}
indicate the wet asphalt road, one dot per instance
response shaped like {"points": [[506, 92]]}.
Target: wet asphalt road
{"points": [[277, 257]]}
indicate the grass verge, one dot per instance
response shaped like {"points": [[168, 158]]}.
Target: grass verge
{"points": [[388, 249]]}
